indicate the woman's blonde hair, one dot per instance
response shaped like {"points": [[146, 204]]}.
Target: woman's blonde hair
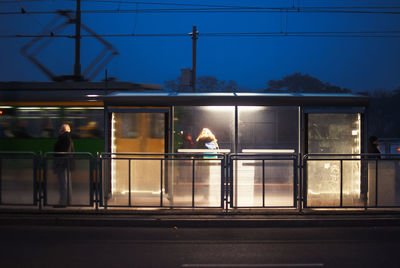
{"points": [[206, 133]]}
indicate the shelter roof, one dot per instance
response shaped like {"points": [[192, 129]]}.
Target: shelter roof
{"points": [[228, 99]]}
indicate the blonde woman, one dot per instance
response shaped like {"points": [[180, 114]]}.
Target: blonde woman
{"points": [[206, 140]]}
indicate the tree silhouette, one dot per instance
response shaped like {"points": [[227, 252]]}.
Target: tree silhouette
{"points": [[383, 113], [205, 83], [298, 82]]}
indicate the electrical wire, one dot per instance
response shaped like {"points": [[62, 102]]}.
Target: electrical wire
{"points": [[372, 34], [217, 6], [217, 10]]}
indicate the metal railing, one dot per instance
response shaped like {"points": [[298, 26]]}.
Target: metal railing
{"points": [[263, 180], [162, 180], [19, 173], [69, 179], [221, 181], [351, 181]]}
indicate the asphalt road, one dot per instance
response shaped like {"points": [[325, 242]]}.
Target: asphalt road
{"points": [[60, 246]]}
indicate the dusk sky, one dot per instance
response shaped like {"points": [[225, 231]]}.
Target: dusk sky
{"points": [[353, 44]]}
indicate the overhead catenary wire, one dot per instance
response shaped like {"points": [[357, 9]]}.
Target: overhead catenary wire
{"points": [[370, 34], [395, 11], [235, 6], [205, 5], [219, 8], [215, 8]]}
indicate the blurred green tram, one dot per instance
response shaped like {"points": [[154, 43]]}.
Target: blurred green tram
{"points": [[33, 126], [32, 113]]}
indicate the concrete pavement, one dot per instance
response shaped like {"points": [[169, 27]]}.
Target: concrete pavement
{"points": [[194, 218]]}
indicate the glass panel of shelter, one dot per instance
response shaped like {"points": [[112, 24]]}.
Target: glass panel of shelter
{"points": [[136, 178], [201, 130], [334, 181], [272, 131], [268, 130]]}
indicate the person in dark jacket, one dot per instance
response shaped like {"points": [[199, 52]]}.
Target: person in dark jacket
{"points": [[368, 170], [373, 147], [62, 166]]}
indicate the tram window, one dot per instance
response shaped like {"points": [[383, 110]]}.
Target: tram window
{"points": [[128, 125], [157, 122], [86, 122], [44, 122]]}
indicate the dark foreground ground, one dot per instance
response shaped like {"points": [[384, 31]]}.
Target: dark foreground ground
{"points": [[108, 246]]}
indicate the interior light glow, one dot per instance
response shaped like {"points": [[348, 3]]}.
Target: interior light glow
{"points": [[252, 108], [28, 108], [84, 108], [92, 96], [218, 108], [141, 192], [269, 151], [354, 132], [203, 151], [5, 107], [51, 108]]}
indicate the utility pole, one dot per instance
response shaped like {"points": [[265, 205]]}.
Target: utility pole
{"points": [[194, 41], [77, 65]]}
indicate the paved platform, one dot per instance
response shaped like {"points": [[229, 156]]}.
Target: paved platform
{"points": [[195, 218]]}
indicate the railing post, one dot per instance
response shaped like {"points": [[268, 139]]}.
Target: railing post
{"points": [[231, 184], [341, 183], [226, 178], [96, 182], [161, 183], [39, 178], [129, 183], [103, 196], [376, 182], [223, 181], [44, 180], [300, 181], [303, 186], [193, 174], [263, 183], [295, 181], [1, 173]]}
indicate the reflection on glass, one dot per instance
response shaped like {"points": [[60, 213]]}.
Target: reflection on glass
{"points": [[191, 120], [137, 182], [204, 131], [80, 183], [277, 182], [265, 130], [16, 181], [388, 184], [330, 181]]}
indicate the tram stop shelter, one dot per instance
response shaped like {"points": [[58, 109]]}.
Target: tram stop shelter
{"points": [[275, 150]]}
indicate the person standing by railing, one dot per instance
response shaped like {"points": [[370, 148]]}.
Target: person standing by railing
{"points": [[62, 165], [373, 147], [368, 167]]}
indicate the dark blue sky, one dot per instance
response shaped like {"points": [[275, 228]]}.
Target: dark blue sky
{"points": [[357, 63]]}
